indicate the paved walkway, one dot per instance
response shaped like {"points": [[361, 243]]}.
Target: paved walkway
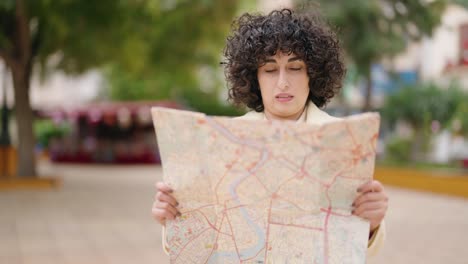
{"points": [[101, 214]]}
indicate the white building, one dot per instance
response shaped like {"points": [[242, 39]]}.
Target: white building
{"points": [[444, 55]]}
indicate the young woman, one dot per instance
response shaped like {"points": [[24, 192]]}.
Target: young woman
{"points": [[286, 66]]}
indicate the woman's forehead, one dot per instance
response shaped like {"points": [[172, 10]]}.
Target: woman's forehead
{"points": [[281, 56]]}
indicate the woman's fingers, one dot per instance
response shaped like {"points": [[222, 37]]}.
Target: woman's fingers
{"points": [[372, 186], [161, 215], [163, 187], [165, 197], [368, 206], [374, 217], [165, 205], [372, 203], [164, 210], [370, 197]]}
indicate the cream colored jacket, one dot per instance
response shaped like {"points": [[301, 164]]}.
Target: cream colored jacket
{"points": [[313, 115]]}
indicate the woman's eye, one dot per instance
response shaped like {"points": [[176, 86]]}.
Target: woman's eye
{"points": [[270, 70], [296, 69]]}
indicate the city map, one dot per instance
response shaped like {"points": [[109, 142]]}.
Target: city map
{"points": [[256, 191]]}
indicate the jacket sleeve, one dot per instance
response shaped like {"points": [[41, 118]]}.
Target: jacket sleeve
{"points": [[376, 241]]}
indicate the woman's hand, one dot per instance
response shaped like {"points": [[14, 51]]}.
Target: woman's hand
{"points": [[164, 205], [371, 204]]}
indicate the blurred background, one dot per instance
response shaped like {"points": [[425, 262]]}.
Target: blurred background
{"points": [[78, 153]]}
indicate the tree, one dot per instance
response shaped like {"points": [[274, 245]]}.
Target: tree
{"points": [[78, 36], [193, 35], [371, 30], [459, 120], [463, 3], [31, 31], [418, 106]]}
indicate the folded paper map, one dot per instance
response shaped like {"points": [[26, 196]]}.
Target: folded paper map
{"points": [[256, 191]]}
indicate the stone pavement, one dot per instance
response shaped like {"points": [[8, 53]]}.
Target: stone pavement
{"points": [[101, 214]]}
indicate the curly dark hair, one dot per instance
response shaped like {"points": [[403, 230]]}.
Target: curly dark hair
{"points": [[256, 37]]}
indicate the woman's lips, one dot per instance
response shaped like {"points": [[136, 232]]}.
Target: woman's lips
{"points": [[283, 97]]}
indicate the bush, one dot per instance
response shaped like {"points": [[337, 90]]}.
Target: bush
{"points": [[419, 106], [398, 150], [45, 130]]}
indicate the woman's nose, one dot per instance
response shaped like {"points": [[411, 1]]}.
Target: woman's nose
{"points": [[283, 82]]}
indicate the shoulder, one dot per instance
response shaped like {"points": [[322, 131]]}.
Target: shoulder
{"points": [[317, 116], [314, 116], [251, 115]]}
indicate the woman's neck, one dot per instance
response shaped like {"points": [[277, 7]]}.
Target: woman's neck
{"points": [[294, 117]]}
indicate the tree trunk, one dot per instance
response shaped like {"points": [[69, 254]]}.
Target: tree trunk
{"points": [[20, 61], [368, 93], [5, 139], [24, 119], [417, 144]]}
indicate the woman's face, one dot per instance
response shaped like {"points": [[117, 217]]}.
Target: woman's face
{"points": [[284, 85]]}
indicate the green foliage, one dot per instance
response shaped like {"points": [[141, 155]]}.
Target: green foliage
{"points": [[421, 104], [164, 42], [124, 87], [155, 47], [184, 39], [7, 4], [167, 36], [183, 51], [78, 34], [46, 130], [463, 3], [374, 29], [208, 103], [398, 150], [371, 30], [460, 118]]}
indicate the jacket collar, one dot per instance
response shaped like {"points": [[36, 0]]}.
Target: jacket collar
{"points": [[311, 115]]}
